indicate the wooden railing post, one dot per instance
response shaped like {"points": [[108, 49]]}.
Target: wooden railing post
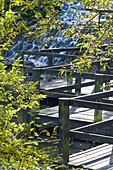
{"points": [[98, 82], [98, 67], [78, 89], [50, 63], [98, 85], [69, 80], [64, 130], [107, 87], [69, 77]]}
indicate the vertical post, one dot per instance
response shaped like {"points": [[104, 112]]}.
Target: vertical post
{"points": [[98, 84], [64, 130], [69, 77], [107, 87], [97, 66], [78, 89], [50, 58]]}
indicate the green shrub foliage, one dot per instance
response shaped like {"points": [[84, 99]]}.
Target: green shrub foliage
{"points": [[15, 95]]}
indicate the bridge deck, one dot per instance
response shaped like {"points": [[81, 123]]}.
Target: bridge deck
{"points": [[99, 157]]}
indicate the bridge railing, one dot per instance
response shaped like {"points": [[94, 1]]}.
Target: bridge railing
{"points": [[87, 101]]}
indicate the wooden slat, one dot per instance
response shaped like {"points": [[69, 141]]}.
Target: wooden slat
{"points": [[69, 87], [98, 95], [85, 153], [95, 126], [53, 50], [91, 137], [93, 158], [57, 94], [108, 167], [97, 164], [91, 104]]}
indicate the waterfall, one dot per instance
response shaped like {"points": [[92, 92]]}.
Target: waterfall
{"points": [[70, 15]]}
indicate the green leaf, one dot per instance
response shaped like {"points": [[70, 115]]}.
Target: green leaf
{"points": [[106, 2], [32, 122]]}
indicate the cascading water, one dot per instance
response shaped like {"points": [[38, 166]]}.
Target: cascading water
{"points": [[57, 42]]}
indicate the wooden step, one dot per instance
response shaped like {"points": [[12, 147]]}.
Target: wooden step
{"points": [[95, 158]]}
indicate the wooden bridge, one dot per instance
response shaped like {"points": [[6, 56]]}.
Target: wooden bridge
{"points": [[78, 110]]}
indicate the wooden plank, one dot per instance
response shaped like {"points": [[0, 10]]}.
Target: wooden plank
{"points": [[64, 131], [90, 104], [83, 154], [95, 126], [95, 96], [57, 94], [107, 101], [108, 160], [108, 167], [70, 87], [86, 151], [50, 54], [62, 49], [54, 50], [93, 158], [91, 137]]}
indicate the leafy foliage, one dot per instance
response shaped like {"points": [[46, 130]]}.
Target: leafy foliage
{"points": [[14, 94], [96, 31]]}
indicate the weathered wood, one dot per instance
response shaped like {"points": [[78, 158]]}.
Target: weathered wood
{"points": [[57, 49], [98, 82], [74, 86], [95, 126], [73, 49], [86, 151], [93, 63], [78, 90], [94, 158], [91, 104], [57, 94], [87, 157], [49, 54], [92, 137], [64, 130], [110, 167], [95, 96], [98, 86], [107, 101], [69, 82]]}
